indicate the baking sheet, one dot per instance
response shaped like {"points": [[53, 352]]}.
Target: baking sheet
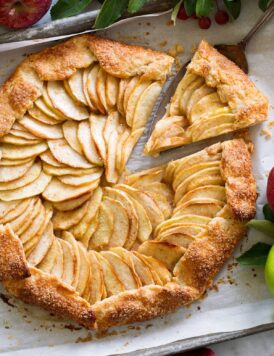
{"points": [[242, 300]]}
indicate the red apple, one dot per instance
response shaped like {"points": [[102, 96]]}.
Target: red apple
{"points": [[22, 13], [270, 189]]}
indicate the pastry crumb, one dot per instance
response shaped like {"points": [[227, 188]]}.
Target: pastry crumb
{"points": [[271, 123], [194, 48], [163, 43], [169, 23], [175, 50], [266, 133]]}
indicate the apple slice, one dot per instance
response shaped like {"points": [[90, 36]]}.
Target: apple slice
{"points": [[97, 124], [111, 172], [92, 227], [48, 158], [19, 141], [91, 84], [68, 237], [123, 198], [145, 105], [145, 260], [63, 220], [142, 270], [168, 254], [48, 110], [120, 147], [41, 116], [58, 267], [30, 218], [62, 102], [133, 99], [13, 152], [129, 145], [80, 229], [81, 180], [162, 202], [34, 188], [204, 192], [57, 191], [74, 87], [205, 106], [120, 222], [87, 143], [72, 203], [17, 210], [120, 99], [187, 93], [102, 235], [85, 89], [84, 269], [23, 134], [194, 220], [203, 207], [97, 278], [9, 207], [145, 228], [12, 173], [41, 130], [4, 162], [101, 87], [43, 246], [197, 95], [112, 282], [145, 177], [216, 130], [36, 225], [157, 268], [17, 223], [70, 130], [68, 262], [122, 269], [129, 89], [66, 155], [49, 260], [61, 171], [112, 87]]}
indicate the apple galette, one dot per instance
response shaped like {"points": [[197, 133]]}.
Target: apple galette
{"points": [[213, 98]]}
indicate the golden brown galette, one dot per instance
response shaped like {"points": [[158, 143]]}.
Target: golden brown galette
{"points": [[213, 98]]}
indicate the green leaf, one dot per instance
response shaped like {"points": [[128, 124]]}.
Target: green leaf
{"points": [[265, 226], [135, 5], [268, 213], [110, 12], [263, 4], [204, 7], [255, 256], [175, 10], [67, 8], [233, 7], [190, 7]]}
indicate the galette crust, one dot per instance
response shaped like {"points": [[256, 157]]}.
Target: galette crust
{"points": [[62, 60]]}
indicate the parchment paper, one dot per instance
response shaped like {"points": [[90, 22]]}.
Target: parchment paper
{"points": [[242, 299]]}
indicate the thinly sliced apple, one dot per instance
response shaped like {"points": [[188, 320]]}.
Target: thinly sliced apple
{"points": [[9, 207], [72, 203], [120, 147], [194, 220], [67, 236], [97, 124], [41, 116], [203, 207], [63, 102], [97, 278], [208, 176], [120, 99], [43, 246], [16, 211], [66, 155], [162, 202], [48, 262], [81, 180], [216, 131], [205, 106], [92, 227], [111, 280], [84, 270], [204, 192], [87, 143], [12, 173], [159, 268], [85, 89], [188, 78], [120, 222], [123, 198], [197, 95], [40, 103], [145, 105], [58, 267], [30, 218], [23, 134], [112, 87], [101, 88], [111, 172], [68, 262], [4, 162], [74, 86], [104, 231], [34, 188], [92, 90], [168, 254], [129, 145], [17, 223], [48, 158], [80, 229], [147, 176], [145, 228], [145, 261], [188, 91], [111, 125], [57, 191], [13, 152], [70, 130], [36, 226], [156, 187], [129, 89], [63, 220], [19, 141], [122, 269], [40, 129], [134, 97], [184, 228], [142, 271], [61, 171], [153, 211]]}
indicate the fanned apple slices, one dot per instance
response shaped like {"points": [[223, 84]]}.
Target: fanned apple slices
{"points": [[213, 98]]}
